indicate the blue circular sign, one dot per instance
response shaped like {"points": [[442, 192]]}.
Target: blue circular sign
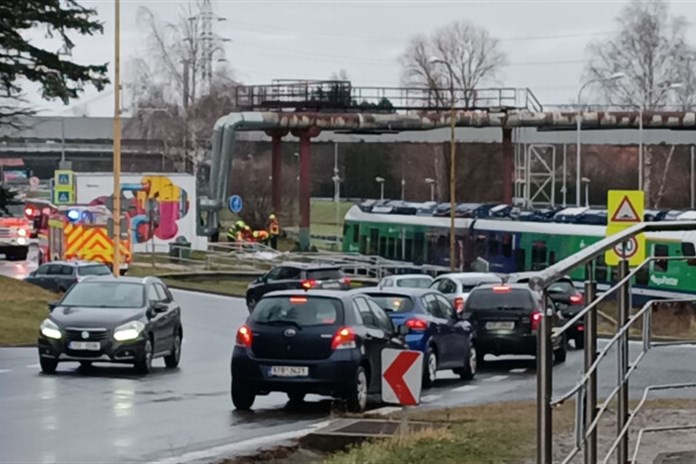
{"points": [[235, 203]]}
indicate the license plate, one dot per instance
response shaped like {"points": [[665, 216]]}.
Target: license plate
{"points": [[500, 325], [289, 371], [88, 346], [331, 285]]}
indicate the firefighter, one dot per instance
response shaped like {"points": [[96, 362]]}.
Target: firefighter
{"points": [[261, 236], [246, 234], [273, 230], [234, 232]]}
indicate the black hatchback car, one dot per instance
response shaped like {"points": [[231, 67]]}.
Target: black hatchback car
{"points": [[103, 319], [321, 341], [290, 276], [507, 318]]}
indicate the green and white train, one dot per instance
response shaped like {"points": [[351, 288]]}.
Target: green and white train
{"points": [[516, 246]]}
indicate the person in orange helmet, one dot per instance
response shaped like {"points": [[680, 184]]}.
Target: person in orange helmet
{"points": [[273, 230]]}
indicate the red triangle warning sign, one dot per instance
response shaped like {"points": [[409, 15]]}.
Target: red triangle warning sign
{"points": [[625, 212]]}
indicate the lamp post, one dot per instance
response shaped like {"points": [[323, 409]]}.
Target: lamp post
{"points": [[116, 213], [453, 204], [431, 181], [578, 119], [586, 181], [380, 181], [641, 109]]}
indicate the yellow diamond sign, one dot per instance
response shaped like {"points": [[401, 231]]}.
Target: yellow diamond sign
{"points": [[625, 208]]}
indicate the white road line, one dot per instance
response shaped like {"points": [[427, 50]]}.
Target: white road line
{"points": [[246, 445], [32, 366], [519, 370], [385, 411], [496, 378], [430, 398], [465, 388], [3, 371]]}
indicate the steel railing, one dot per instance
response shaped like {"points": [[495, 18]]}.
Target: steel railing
{"points": [[587, 411]]}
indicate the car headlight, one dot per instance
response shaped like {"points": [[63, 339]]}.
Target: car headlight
{"points": [[128, 331], [50, 330], [22, 232]]}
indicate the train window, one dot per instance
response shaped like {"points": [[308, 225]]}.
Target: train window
{"points": [[480, 245], [383, 249], [374, 237], [363, 244], [538, 255], [688, 249], [493, 245], [643, 276], [661, 265], [356, 232], [418, 248], [507, 245], [520, 260], [601, 270], [408, 251]]}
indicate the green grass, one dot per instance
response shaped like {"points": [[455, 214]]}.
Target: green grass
{"points": [[232, 287], [22, 309]]}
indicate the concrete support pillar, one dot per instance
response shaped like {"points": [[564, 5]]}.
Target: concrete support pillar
{"points": [[508, 165], [277, 168], [305, 136]]}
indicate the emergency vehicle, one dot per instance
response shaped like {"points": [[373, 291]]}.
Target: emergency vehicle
{"points": [[15, 231], [85, 233]]}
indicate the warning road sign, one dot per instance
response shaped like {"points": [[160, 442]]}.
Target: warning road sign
{"points": [[402, 375], [625, 208]]}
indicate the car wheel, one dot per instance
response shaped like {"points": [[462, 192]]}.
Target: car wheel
{"points": [[559, 356], [357, 396], [469, 370], [579, 341], [172, 359], [242, 396], [144, 364], [296, 397], [430, 368], [48, 366]]}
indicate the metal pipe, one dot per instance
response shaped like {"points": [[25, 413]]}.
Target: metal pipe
{"points": [[590, 355], [640, 148], [565, 175], [692, 185], [544, 388], [622, 412], [578, 165]]}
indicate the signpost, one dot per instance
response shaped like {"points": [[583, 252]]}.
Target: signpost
{"points": [[64, 187], [625, 208], [402, 377], [235, 204]]}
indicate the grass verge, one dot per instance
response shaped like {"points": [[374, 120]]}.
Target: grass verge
{"points": [[221, 285], [22, 309], [669, 321]]}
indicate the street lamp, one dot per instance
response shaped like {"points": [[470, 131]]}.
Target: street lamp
{"points": [[578, 163], [586, 181], [675, 85], [403, 189], [453, 204], [380, 181], [431, 181]]}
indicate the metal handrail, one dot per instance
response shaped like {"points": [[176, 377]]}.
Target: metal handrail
{"points": [[668, 428]]}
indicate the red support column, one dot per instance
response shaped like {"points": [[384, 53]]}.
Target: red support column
{"points": [[508, 165], [305, 136], [276, 168]]}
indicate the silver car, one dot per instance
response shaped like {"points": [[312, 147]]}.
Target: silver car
{"points": [[406, 280], [457, 286]]}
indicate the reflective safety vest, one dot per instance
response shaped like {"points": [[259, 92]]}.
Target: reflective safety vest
{"points": [[274, 228]]}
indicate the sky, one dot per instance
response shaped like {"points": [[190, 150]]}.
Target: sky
{"points": [[545, 41]]}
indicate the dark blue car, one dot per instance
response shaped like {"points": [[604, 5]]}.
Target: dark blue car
{"points": [[446, 340]]}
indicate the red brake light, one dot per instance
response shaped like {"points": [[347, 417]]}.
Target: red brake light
{"points": [[244, 336], [536, 319], [308, 283], [502, 289], [343, 338], [346, 281], [417, 324], [577, 299], [298, 299], [581, 328], [459, 304]]}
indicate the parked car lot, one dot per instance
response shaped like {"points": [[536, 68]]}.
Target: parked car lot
{"points": [[445, 339], [457, 286], [58, 276], [319, 341], [102, 319]]}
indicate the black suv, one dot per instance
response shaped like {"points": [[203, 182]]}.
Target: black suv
{"points": [[507, 318], [291, 276], [103, 319], [58, 276]]}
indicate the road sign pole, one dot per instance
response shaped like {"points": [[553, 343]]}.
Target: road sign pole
{"points": [[590, 357], [622, 407], [544, 387]]}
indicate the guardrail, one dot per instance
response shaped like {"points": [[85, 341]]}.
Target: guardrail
{"points": [[587, 412]]}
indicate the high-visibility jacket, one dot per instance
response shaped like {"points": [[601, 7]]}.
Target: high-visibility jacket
{"points": [[273, 227]]}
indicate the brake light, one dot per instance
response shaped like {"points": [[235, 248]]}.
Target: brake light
{"points": [[502, 289], [344, 338], [298, 299], [459, 304], [536, 320], [581, 328], [244, 336], [577, 299], [308, 283], [346, 281], [417, 324]]}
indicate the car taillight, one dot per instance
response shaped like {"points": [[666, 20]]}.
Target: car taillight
{"points": [[502, 289], [577, 299], [417, 324], [536, 319], [459, 304], [581, 328], [308, 283], [346, 281], [344, 338], [244, 336]]}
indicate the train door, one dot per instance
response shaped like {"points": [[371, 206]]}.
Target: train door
{"points": [[539, 255]]}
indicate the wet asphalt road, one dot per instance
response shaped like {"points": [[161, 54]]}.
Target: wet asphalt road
{"points": [[107, 414]]}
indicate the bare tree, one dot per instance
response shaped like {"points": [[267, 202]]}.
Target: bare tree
{"points": [[472, 54], [341, 75], [650, 48], [174, 98]]}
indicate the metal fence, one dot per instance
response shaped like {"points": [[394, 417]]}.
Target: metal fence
{"points": [[588, 409]]}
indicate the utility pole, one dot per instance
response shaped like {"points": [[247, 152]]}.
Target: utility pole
{"points": [[116, 213]]}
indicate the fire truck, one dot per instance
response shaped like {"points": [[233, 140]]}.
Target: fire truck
{"points": [[81, 232], [15, 231]]}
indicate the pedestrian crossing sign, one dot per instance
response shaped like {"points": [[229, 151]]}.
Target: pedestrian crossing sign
{"points": [[63, 197]]}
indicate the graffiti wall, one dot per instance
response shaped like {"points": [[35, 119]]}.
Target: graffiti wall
{"points": [[161, 206]]}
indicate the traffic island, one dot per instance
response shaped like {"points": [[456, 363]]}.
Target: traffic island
{"points": [[22, 308]]}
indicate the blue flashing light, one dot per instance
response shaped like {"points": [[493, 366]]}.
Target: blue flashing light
{"points": [[73, 215]]}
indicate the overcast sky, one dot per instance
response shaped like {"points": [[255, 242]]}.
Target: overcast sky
{"points": [[545, 40]]}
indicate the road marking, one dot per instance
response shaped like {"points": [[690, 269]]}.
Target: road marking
{"points": [[246, 445], [465, 388], [496, 378], [519, 370], [32, 366], [3, 371], [430, 398], [385, 411]]}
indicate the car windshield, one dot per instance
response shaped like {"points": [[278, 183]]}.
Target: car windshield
{"points": [[393, 303], [301, 310], [414, 282], [562, 286], [468, 285], [515, 298], [97, 270], [105, 295], [325, 274]]}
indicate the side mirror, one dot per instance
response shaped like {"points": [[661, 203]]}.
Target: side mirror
{"points": [[403, 329], [159, 307], [52, 305]]}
